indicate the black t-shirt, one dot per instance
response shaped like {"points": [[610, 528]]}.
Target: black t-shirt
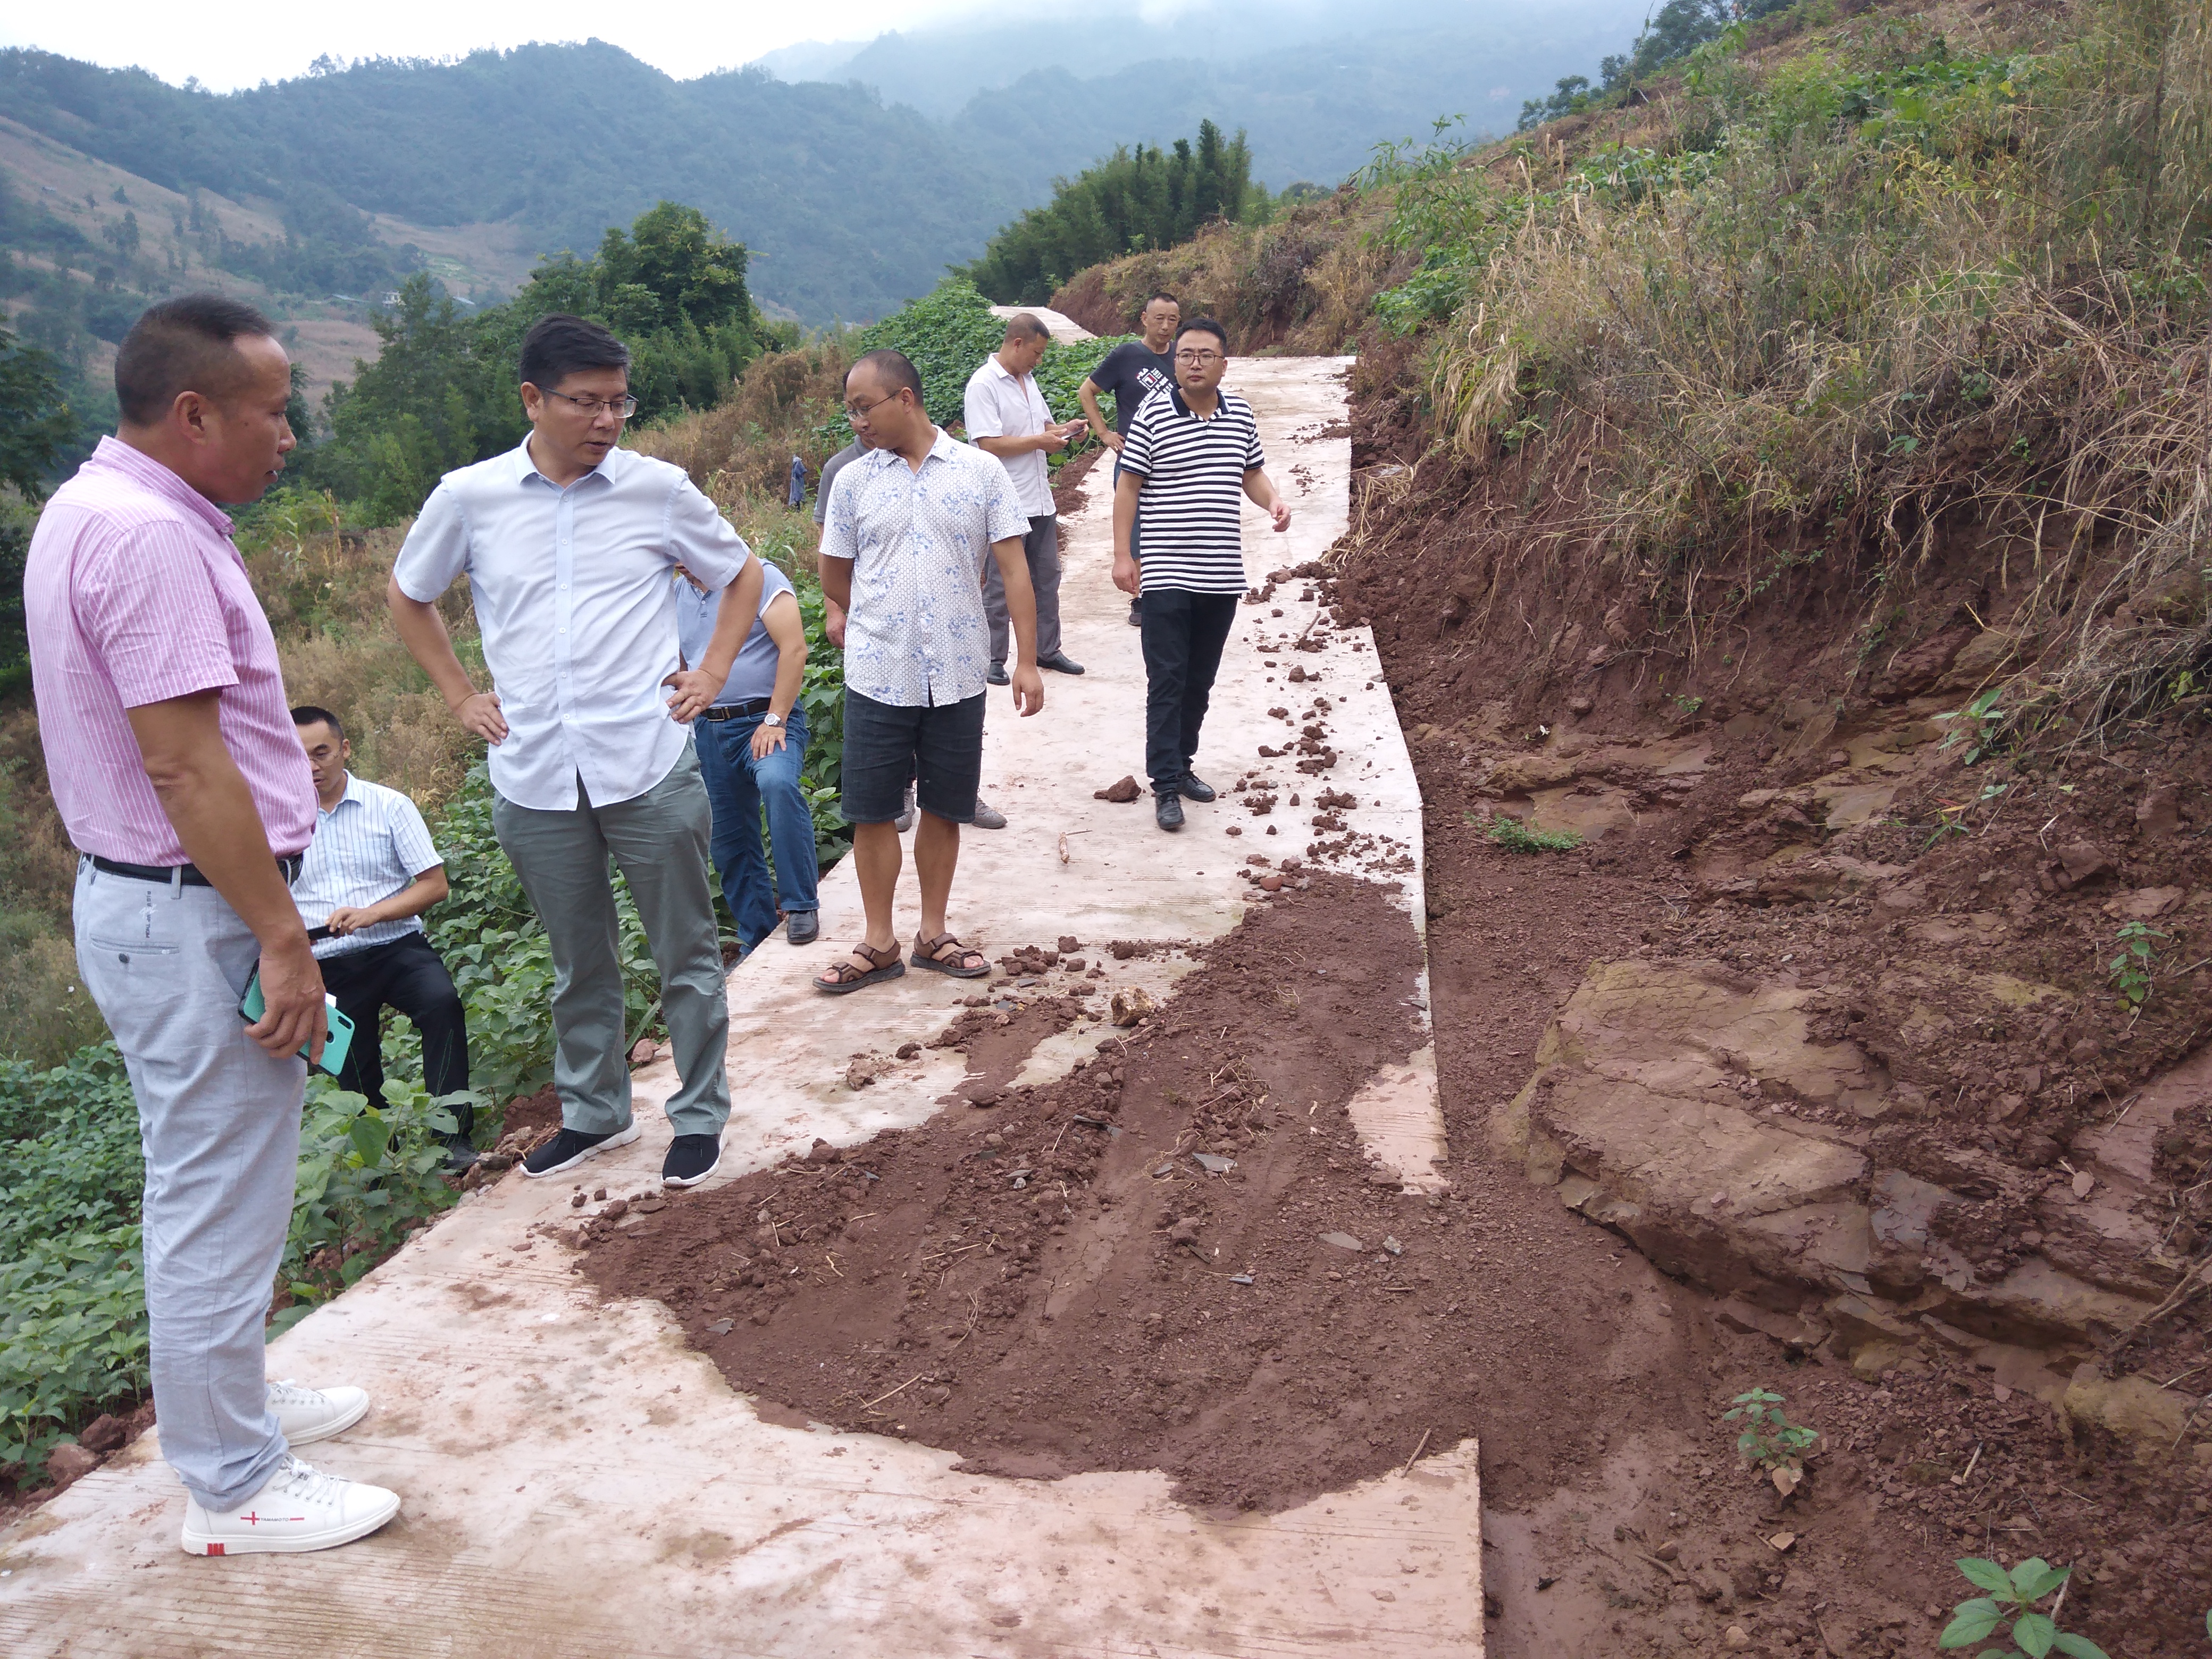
{"points": [[1132, 372]]}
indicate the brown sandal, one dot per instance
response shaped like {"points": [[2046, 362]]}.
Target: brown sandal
{"points": [[849, 976], [930, 953]]}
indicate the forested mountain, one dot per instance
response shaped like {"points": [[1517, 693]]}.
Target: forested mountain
{"points": [[851, 198]]}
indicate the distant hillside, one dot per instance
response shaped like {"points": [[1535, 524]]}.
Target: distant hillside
{"points": [[849, 206], [852, 200]]}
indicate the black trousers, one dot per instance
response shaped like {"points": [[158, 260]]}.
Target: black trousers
{"points": [[408, 975], [1183, 634]]}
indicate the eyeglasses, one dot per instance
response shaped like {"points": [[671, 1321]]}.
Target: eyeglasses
{"points": [[853, 411], [621, 408], [1198, 356]]}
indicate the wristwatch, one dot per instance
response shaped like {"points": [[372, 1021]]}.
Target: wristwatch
{"points": [[771, 718]]}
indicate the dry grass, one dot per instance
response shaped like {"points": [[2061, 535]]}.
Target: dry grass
{"points": [[1304, 285], [1824, 345], [742, 448]]}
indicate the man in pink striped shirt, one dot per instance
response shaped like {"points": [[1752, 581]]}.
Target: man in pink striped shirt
{"points": [[171, 753]]}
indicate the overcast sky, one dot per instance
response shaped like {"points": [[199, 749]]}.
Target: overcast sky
{"points": [[246, 41]]}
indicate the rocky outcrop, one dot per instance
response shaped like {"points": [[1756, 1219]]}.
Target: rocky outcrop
{"points": [[1700, 1114]]}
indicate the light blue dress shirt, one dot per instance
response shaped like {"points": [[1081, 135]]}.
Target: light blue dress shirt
{"points": [[577, 611], [371, 845]]}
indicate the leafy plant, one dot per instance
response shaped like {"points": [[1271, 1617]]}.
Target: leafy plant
{"points": [[2012, 1595], [1770, 1439], [1515, 836], [2134, 969], [368, 1174], [1983, 721]]}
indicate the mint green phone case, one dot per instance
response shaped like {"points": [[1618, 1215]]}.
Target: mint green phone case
{"points": [[252, 1007]]}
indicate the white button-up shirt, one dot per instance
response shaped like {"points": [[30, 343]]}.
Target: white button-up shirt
{"points": [[916, 636], [371, 845], [997, 405], [577, 611]]}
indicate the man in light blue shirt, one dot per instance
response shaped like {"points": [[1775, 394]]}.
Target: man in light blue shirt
{"points": [[365, 881], [569, 543], [751, 743]]}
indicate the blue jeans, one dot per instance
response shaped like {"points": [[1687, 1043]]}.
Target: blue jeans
{"points": [[738, 786]]}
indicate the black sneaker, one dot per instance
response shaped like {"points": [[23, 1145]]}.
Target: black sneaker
{"points": [[1195, 787], [690, 1160], [572, 1147], [460, 1153], [1136, 613], [803, 926], [998, 675], [1167, 810]]}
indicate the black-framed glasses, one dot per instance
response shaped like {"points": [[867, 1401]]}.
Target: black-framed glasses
{"points": [[621, 408], [853, 411]]}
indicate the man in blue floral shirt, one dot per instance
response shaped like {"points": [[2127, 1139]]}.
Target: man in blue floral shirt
{"points": [[909, 524]]}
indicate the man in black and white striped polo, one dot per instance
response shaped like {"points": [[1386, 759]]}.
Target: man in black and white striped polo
{"points": [[367, 877], [1190, 453]]}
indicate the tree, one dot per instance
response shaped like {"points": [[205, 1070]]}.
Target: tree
{"points": [[1140, 199], [37, 426]]}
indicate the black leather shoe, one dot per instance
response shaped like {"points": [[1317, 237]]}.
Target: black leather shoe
{"points": [[1196, 787], [998, 674], [1167, 810], [803, 926], [460, 1153], [1060, 663]]}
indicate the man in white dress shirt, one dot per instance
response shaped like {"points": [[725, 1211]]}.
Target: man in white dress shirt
{"points": [[365, 881], [569, 544], [1008, 417]]}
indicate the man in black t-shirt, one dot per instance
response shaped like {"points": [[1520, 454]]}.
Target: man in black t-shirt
{"points": [[1132, 372]]}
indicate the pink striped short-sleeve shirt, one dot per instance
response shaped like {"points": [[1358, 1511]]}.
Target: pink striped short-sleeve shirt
{"points": [[132, 594]]}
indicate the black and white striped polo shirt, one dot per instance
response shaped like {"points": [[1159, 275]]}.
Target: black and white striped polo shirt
{"points": [[1193, 473]]}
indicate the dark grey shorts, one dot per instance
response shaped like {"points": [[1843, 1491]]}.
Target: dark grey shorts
{"points": [[941, 749]]}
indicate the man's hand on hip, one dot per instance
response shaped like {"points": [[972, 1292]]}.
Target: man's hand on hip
{"points": [[1111, 439], [1028, 690], [294, 1014], [695, 691], [481, 715]]}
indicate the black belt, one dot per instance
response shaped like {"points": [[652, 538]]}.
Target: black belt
{"points": [[169, 873], [735, 711]]}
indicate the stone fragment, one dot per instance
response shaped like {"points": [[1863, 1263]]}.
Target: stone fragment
{"points": [[1343, 1242], [104, 1434], [68, 1462], [1120, 793], [1131, 1004], [2159, 812]]}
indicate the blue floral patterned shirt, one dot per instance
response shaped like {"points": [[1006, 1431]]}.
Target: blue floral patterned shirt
{"points": [[915, 635]]}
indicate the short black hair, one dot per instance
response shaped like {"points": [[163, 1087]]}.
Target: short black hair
{"points": [[1022, 325], [1205, 326], [180, 345], [308, 715], [1158, 294], [558, 345], [895, 368]]}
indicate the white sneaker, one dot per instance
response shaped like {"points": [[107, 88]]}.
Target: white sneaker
{"points": [[904, 821], [307, 1415], [299, 1508]]}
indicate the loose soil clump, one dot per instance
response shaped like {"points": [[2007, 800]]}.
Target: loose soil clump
{"points": [[1177, 1257]]}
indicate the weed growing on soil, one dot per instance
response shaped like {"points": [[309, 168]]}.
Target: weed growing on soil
{"points": [[1515, 836], [1770, 1439], [2133, 970], [2012, 1595]]}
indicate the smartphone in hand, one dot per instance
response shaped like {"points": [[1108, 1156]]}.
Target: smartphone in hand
{"points": [[252, 1005]]}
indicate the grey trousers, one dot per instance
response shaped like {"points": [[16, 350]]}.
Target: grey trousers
{"points": [[219, 1120], [659, 840], [1042, 545]]}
